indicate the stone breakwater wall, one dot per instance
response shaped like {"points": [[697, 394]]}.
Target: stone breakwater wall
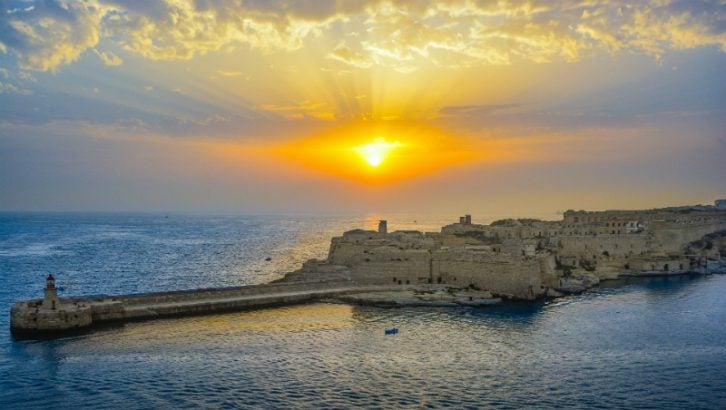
{"points": [[30, 318]]}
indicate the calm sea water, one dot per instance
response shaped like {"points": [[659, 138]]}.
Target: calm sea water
{"points": [[653, 343]]}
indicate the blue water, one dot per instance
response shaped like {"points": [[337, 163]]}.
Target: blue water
{"points": [[646, 343]]}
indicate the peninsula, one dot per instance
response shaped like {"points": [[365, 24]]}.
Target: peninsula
{"points": [[463, 264]]}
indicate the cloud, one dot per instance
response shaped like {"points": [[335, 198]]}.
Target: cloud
{"points": [[181, 29], [44, 35], [13, 89], [224, 73], [475, 110], [108, 57], [348, 56], [49, 33], [300, 110], [9, 81]]}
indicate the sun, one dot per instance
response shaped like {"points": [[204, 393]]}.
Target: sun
{"points": [[374, 153], [381, 152]]}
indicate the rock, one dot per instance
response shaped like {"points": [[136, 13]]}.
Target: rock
{"points": [[573, 285], [551, 293]]}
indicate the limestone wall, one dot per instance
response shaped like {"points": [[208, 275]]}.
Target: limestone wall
{"points": [[384, 265], [594, 247], [672, 237], [663, 264], [501, 274]]}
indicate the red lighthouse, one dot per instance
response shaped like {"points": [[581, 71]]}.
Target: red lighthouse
{"points": [[50, 299], [50, 282]]}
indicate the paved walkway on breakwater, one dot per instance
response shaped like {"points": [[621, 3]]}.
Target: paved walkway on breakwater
{"points": [[31, 319], [153, 310]]}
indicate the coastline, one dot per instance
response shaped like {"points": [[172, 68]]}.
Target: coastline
{"points": [[465, 264]]}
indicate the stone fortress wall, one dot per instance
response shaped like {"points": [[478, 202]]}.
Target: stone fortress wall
{"points": [[528, 258]]}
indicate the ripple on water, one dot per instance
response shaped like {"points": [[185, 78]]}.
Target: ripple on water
{"points": [[654, 343]]}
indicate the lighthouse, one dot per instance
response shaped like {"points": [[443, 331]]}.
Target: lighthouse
{"points": [[50, 299]]}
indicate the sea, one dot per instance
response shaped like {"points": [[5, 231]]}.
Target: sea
{"points": [[646, 343]]}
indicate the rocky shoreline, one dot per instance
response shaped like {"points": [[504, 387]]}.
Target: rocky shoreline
{"points": [[434, 296]]}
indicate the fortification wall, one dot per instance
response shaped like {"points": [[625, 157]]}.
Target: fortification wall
{"points": [[594, 247], [659, 264], [505, 273], [386, 265], [661, 238], [670, 237], [683, 215], [500, 274]]}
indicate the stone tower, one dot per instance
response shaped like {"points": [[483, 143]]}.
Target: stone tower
{"points": [[50, 299], [383, 226]]}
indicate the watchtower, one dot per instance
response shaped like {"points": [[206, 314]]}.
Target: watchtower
{"points": [[383, 226]]}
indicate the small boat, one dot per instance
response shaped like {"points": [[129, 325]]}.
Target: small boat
{"points": [[391, 331]]}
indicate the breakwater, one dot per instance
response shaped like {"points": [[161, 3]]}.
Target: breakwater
{"points": [[40, 317]]}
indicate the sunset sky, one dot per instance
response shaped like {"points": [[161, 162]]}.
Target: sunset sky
{"points": [[512, 108]]}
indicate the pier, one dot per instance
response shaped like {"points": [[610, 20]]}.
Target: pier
{"points": [[52, 316]]}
